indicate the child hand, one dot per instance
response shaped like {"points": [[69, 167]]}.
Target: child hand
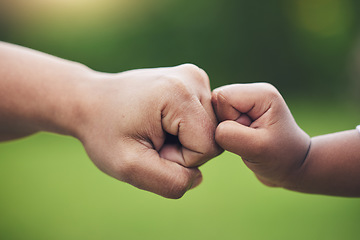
{"points": [[256, 124]]}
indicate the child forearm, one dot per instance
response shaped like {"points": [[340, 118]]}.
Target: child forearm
{"points": [[332, 166]]}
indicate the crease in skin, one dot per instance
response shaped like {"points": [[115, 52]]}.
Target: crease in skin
{"points": [[244, 119], [252, 162], [145, 141], [235, 115], [251, 109], [255, 121], [183, 147], [303, 161], [219, 93], [222, 100], [147, 144], [175, 136]]}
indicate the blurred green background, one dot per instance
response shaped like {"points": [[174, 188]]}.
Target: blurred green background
{"points": [[309, 49]]}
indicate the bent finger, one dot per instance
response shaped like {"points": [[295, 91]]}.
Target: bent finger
{"points": [[253, 99], [150, 172]]}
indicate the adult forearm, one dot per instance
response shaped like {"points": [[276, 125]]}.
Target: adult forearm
{"points": [[332, 166], [39, 92]]}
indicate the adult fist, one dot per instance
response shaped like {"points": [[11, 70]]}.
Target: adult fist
{"points": [[151, 128]]}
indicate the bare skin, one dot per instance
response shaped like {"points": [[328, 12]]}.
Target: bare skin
{"points": [[257, 125], [123, 120]]}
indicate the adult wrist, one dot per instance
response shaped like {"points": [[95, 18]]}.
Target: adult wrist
{"points": [[67, 109], [86, 103]]}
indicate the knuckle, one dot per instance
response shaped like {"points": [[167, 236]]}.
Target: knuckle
{"points": [[175, 193], [204, 77], [265, 85], [175, 87], [270, 90], [179, 186], [179, 90], [174, 83], [197, 73], [190, 67]]}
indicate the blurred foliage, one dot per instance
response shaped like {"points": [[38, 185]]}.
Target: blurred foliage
{"points": [[303, 47]]}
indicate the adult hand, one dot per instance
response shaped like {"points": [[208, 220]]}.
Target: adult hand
{"points": [[124, 120], [151, 128]]}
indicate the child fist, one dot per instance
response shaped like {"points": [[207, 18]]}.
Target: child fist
{"points": [[256, 124]]}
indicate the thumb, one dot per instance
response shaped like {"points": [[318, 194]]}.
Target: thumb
{"points": [[225, 111], [237, 138]]}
